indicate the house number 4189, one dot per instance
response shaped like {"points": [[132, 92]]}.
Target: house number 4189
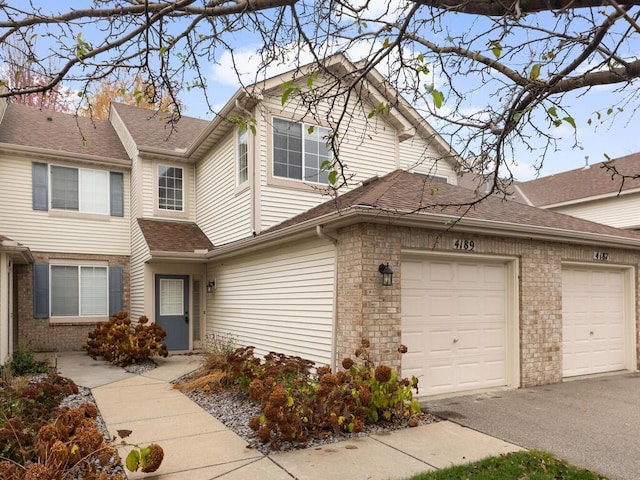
{"points": [[464, 244]]}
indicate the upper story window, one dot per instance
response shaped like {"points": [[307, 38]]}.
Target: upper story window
{"points": [[299, 151], [170, 188], [80, 190], [243, 156]]}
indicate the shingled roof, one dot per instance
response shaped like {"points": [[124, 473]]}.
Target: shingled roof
{"points": [[173, 236], [26, 126], [151, 128], [582, 183], [400, 193]]}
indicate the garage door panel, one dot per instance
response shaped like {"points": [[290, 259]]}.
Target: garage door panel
{"points": [[463, 323], [438, 273], [593, 318]]}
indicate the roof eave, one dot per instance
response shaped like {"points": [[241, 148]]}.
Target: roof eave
{"points": [[20, 253], [493, 227], [188, 257], [61, 155], [361, 213]]}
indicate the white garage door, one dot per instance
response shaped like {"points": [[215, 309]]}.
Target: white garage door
{"points": [[593, 321], [454, 324]]}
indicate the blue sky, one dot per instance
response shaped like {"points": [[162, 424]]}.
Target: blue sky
{"points": [[613, 138]]}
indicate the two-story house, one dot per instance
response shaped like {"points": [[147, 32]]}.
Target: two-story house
{"points": [[208, 228]]}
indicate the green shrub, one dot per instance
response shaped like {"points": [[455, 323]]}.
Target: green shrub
{"points": [[23, 362], [122, 343]]}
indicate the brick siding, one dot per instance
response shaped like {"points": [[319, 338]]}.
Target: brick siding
{"points": [[38, 334], [366, 309]]}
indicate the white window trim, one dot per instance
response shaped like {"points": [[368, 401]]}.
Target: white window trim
{"points": [[79, 318], [242, 185], [157, 211], [107, 213], [286, 181]]}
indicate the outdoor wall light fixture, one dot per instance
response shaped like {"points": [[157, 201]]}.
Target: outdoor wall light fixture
{"points": [[387, 274], [211, 286]]}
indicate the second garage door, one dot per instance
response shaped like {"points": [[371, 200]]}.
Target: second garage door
{"points": [[454, 324], [593, 320]]}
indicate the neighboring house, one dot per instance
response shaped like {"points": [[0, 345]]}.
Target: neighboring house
{"points": [[593, 192], [233, 233], [66, 199]]}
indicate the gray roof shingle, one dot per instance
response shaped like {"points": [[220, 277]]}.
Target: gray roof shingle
{"points": [[26, 126], [151, 128], [402, 192], [173, 236], [582, 182]]}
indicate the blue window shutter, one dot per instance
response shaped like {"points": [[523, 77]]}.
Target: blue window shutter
{"points": [[116, 184], [40, 177], [115, 289], [41, 290]]}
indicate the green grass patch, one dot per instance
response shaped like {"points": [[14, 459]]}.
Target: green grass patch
{"points": [[532, 465]]}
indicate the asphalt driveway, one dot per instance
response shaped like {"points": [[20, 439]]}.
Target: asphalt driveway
{"points": [[593, 423]]}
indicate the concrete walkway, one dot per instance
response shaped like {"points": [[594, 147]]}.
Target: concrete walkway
{"points": [[197, 446]]}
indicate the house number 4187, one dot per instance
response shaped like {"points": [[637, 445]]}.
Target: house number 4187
{"points": [[464, 244], [604, 256]]}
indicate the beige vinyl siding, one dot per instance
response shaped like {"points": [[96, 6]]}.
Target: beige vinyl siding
{"points": [[223, 212], [280, 300], [139, 255], [368, 147], [418, 154], [621, 212], [57, 231]]}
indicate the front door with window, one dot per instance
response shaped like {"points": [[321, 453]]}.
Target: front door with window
{"points": [[172, 309]]}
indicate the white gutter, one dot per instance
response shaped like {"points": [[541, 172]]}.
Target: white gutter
{"points": [[163, 256], [13, 248], [60, 155], [365, 213]]}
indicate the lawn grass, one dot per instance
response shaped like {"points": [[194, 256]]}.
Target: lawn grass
{"points": [[531, 465]]}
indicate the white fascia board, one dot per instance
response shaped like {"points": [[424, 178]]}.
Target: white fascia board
{"points": [[188, 257], [15, 250], [359, 214]]}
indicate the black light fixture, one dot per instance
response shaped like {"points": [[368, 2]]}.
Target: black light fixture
{"points": [[387, 274], [211, 286]]}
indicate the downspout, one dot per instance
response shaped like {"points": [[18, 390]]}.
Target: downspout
{"points": [[334, 322]]}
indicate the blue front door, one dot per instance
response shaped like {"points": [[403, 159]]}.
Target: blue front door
{"points": [[172, 309]]}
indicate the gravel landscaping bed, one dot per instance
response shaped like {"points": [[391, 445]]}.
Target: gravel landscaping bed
{"points": [[234, 409]]}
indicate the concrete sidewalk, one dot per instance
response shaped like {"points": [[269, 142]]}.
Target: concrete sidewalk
{"points": [[197, 446]]}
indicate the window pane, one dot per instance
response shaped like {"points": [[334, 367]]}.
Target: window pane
{"points": [[64, 291], [171, 296], [94, 191], [170, 188], [93, 291], [243, 157], [64, 188], [196, 310], [287, 150]]}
